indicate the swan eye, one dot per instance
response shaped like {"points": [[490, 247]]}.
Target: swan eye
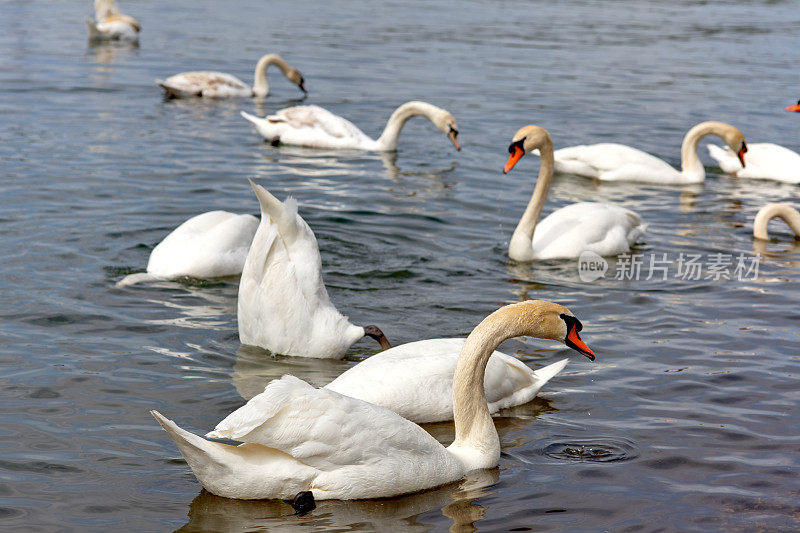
{"points": [[511, 150], [453, 130], [744, 147]]}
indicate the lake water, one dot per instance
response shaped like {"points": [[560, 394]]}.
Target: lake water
{"points": [[688, 419]]}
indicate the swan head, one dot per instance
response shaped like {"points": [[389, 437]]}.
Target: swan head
{"points": [[735, 141], [795, 107], [548, 320], [447, 124], [294, 76], [525, 140], [376, 333]]}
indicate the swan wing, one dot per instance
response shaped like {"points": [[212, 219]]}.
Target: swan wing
{"points": [[312, 126], [415, 380], [205, 83], [208, 245], [614, 162], [605, 229]]}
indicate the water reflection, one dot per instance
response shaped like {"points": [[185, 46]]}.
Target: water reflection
{"points": [[456, 501]]}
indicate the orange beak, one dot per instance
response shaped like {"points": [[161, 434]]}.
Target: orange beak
{"points": [[741, 152], [575, 342], [515, 156], [795, 107], [454, 139]]}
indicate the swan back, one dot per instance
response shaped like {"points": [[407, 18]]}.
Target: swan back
{"points": [[283, 304]]}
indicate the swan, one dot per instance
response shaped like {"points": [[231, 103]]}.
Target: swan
{"points": [[315, 127], [795, 107], [789, 214], [297, 438], [283, 304], [209, 245], [221, 85], [604, 229], [617, 162], [764, 161], [415, 380], [111, 25]]}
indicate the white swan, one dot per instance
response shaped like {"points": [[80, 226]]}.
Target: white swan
{"points": [[604, 229], [221, 85], [315, 127], [283, 304], [415, 380], [297, 438], [617, 162], [209, 245], [764, 161], [789, 214], [111, 25]]}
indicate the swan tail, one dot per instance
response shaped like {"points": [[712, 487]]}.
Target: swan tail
{"points": [[543, 375], [133, 279], [94, 33], [283, 214], [196, 450], [251, 118], [175, 91]]}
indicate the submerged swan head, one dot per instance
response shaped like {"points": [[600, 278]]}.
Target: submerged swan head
{"points": [[525, 140]]}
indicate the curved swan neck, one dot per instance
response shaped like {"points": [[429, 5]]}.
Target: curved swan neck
{"points": [[260, 84], [388, 139], [690, 162], [786, 212], [104, 9], [520, 248]]}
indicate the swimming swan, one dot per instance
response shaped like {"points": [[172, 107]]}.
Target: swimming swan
{"points": [[604, 229], [220, 85], [209, 245], [297, 438], [415, 380], [789, 214], [315, 127], [111, 25], [764, 161], [283, 304], [617, 162]]}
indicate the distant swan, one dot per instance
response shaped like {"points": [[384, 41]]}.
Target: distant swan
{"points": [[283, 304], [220, 85], [789, 214], [297, 438], [415, 380], [209, 245], [617, 162], [604, 229], [111, 25], [315, 127], [764, 161]]}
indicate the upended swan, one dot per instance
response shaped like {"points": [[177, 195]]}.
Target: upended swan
{"points": [[283, 304], [298, 438], [617, 162], [786, 212], [209, 245], [314, 127], [415, 380], [220, 85], [764, 161], [604, 229], [111, 25]]}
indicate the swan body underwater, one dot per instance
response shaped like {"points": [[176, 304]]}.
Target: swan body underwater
{"points": [[314, 127], [111, 25], [786, 212], [221, 85], [764, 161], [209, 245], [283, 304], [297, 438], [604, 229], [617, 162]]}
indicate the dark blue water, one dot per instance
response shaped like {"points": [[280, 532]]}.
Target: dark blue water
{"points": [[688, 419]]}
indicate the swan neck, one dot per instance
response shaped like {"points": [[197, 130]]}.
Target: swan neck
{"points": [[690, 162], [388, 139], [520, 247], [104, 9], [785, 212], [260, 84]]}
